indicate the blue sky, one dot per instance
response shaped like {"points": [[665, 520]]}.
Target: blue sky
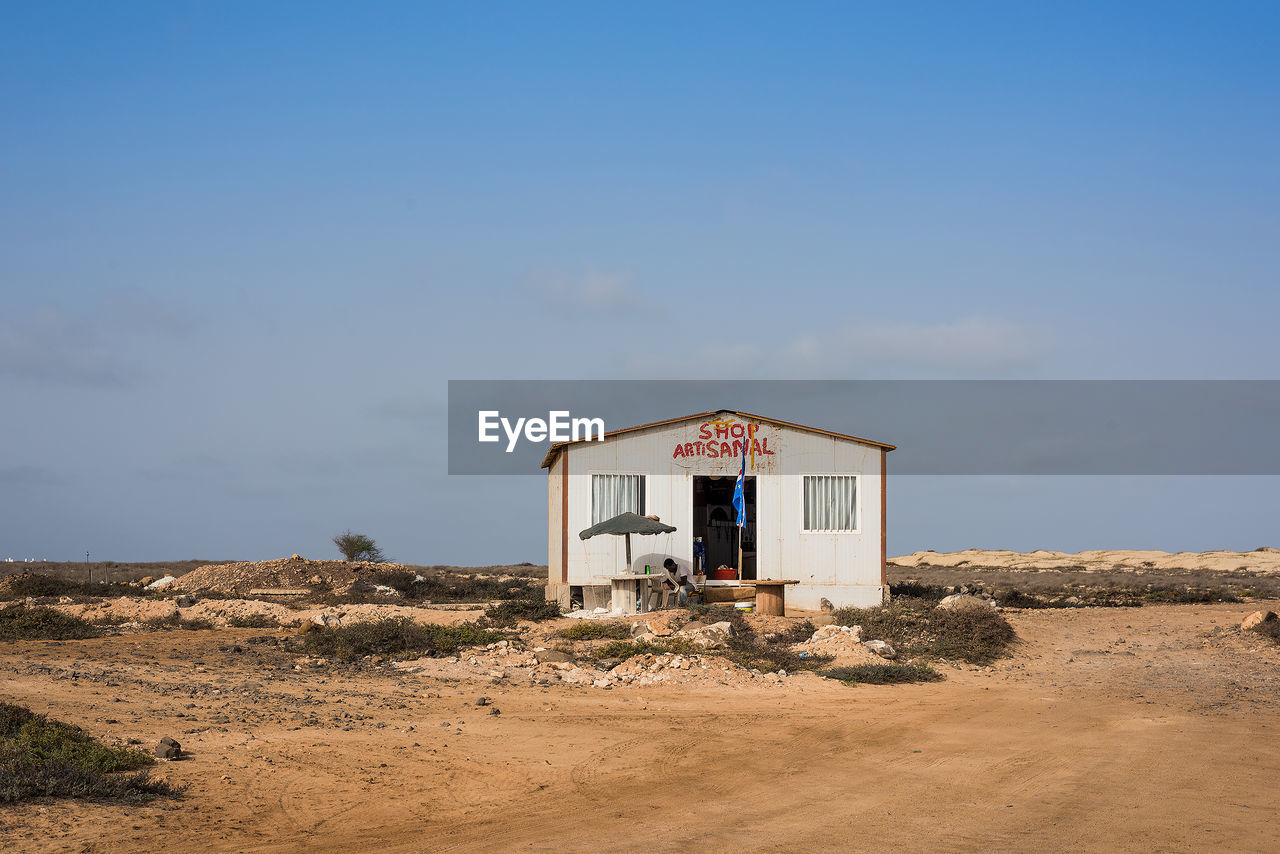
{"points": [[244, 246]]}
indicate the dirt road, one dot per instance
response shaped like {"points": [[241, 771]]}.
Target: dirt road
{"points": [[1108, 729]]}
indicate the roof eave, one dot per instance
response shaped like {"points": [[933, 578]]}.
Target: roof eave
{"points": [[555, 449]]}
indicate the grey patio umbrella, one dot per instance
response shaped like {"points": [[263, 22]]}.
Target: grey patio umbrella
{"points": [[626, 524]]}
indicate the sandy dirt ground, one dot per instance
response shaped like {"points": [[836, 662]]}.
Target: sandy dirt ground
{"points": [[1108, 729]]}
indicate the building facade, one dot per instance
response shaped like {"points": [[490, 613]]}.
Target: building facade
{"points": [[815, 505]]}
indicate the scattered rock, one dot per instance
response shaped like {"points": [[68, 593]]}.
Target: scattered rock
{"points": [[552, 655], [168, 749], [482, 701], [162, 583], [1257, 618], [185, 601], [881, 648], [661, 625], [962, 601], [842, 635], [328, 620], [709, 637], [495, 711]]}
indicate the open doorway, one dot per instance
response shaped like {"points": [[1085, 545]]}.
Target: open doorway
{"points": [[715, 521]]}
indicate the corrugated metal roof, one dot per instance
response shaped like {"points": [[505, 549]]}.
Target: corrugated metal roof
{"points": [[555, 448]]}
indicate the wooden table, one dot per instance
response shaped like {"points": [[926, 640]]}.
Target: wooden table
{"points": [[771, 596], [626, 590]]}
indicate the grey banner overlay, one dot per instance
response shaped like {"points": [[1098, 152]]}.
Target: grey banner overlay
{"points": [[941, 427]]}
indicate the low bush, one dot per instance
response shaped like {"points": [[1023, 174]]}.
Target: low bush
{"points": [[1188, 595], [40, 757], [590, 630], [401, 638], [975, 635], [715, 613], [746, 648], [888, 673], [533, 608], [36, 585], [253, 621], [18, 622], [177, 621], [795, 633], [916, 590], [457, 587], [110, 620], [622, 649], [1018, 599], [1269, 629]]}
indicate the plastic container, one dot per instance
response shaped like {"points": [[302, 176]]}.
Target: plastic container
{"points": [[724, 574]]}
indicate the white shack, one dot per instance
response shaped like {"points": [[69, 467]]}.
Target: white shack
{"points": [[815, 505]]}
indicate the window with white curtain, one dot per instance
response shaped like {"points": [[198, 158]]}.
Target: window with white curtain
{"points": [[830, 502], [612, 494]]}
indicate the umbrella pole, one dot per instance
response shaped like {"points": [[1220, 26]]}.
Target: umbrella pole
{"points": [[628, 554]]}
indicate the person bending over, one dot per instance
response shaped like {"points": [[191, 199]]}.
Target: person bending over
{"points": [[683, 576]]}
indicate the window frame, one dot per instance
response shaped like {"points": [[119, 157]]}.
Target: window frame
{"points": [[857, 503], [644, 490]]}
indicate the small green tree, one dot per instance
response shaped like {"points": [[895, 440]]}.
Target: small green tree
{"points": [[358, 547]]}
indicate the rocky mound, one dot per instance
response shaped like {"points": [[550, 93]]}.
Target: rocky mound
{"points": [[293, 573], [843, 643]]}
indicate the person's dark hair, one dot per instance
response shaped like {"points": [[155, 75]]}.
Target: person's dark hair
{"points": [[669, 563]]}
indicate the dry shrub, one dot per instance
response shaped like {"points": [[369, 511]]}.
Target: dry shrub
{"points": [[533, 608], [36, 585], [456, 587], [768, 654], [922, 630], [401, 638], [915, 590], [1269, 629], [18, 622], [587, 630], [40, 757], [177, 621], [622, 649], [888, 673], [253, 621]]}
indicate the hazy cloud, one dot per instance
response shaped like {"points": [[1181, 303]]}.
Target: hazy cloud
{"points": [[593, 291], [86, 347], [968, 347], [28, 476], [414, 409], [52, 345], [971, 348]]}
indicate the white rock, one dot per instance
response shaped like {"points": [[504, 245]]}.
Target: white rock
{"points": [[161, 583], [881, 648], [1257, 618], [960, 601]]}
